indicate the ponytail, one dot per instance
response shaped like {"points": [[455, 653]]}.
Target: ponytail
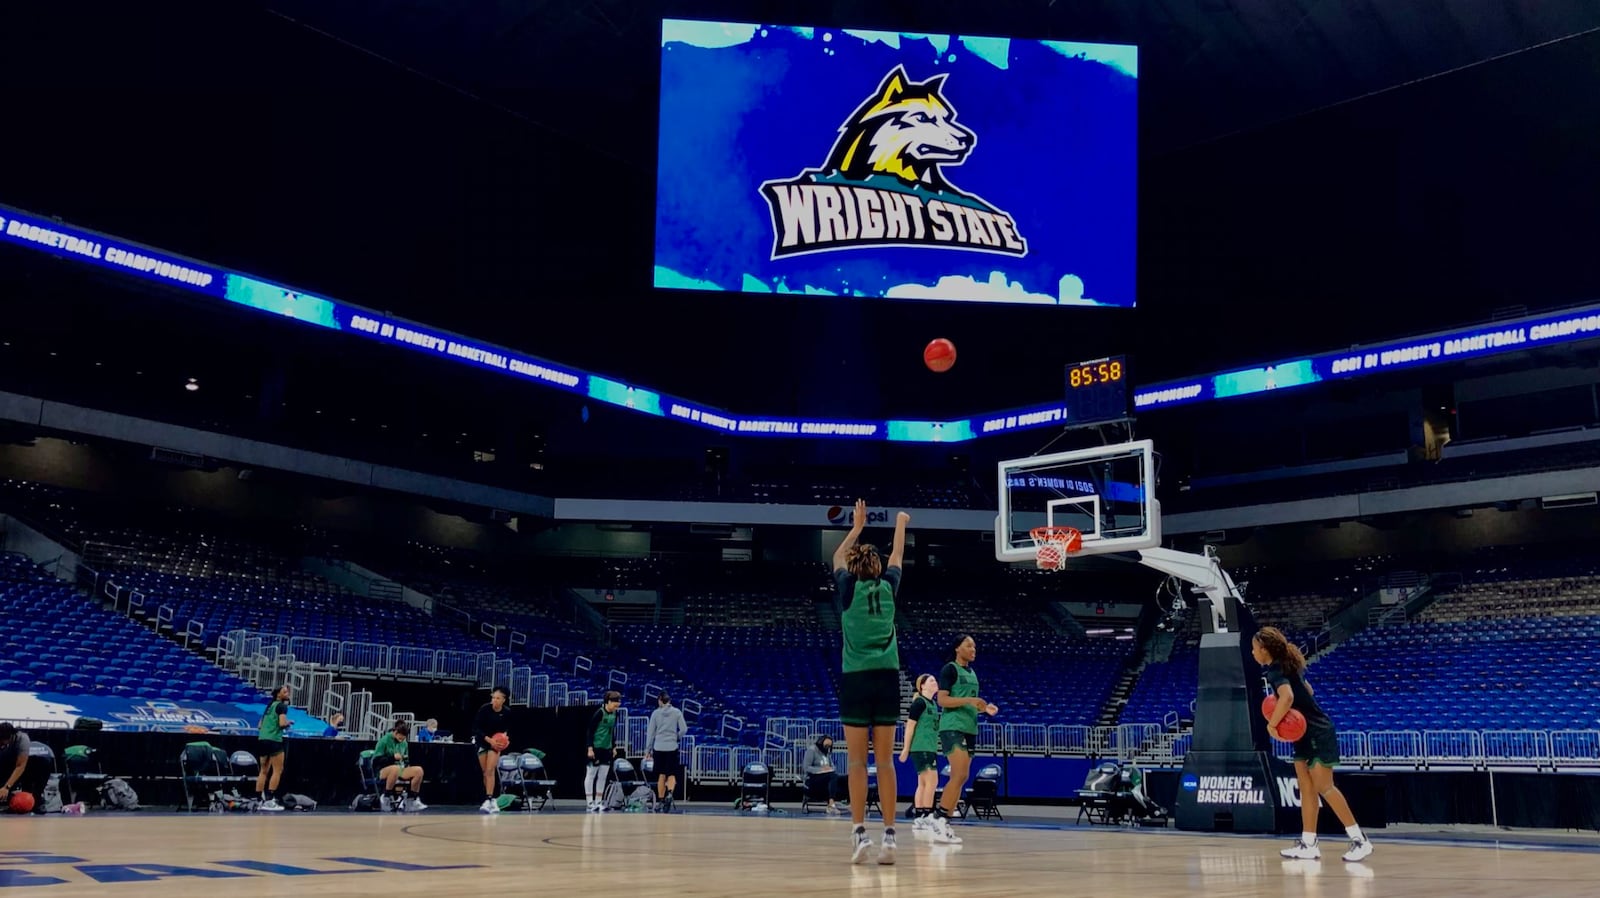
{"points": [[1282, 652]]}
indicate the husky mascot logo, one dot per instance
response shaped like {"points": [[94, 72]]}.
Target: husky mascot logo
{"points": [[884, 183]]}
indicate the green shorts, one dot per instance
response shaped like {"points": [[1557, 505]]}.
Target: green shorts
{"points": [[869, 698], [923, 761], [1319, 746], [950, 740]]}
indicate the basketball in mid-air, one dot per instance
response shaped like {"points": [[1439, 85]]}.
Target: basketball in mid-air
{"points": [[939, 355]]}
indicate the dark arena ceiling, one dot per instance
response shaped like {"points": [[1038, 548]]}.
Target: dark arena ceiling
{"points": [[1314, 173]]}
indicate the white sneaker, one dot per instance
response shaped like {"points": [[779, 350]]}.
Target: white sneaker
{"points": [[415, 806], [918, 824], [1360, 849], [1300, 851], [886, 851], [860, 844], [270, 804], [386, 803], [942, 833], [489, 806]]}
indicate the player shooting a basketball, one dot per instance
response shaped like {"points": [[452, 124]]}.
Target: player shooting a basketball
{"points": [[869, 690], [1315, 754]]}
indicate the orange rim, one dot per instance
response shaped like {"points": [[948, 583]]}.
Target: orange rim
{"points": [[1060, 535]]}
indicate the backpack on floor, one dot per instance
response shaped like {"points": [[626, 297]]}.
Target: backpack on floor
{"points": [[295, 802], [50, 798], [118, 795], [364, 803], [232, 801]]}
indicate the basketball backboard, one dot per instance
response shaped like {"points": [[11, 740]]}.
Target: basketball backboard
{"points": [[1106, 492]]}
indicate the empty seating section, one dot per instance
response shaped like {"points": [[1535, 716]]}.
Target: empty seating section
{"points": [[750, 609], [547, 641], [58, 641], [761, 672], [1511, 648], [1554, 596], [1513, 643], [223, 604], [1530, 673], [1035, 678]]}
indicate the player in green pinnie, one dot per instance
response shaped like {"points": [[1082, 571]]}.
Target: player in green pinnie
{"points": [[869, 689]]}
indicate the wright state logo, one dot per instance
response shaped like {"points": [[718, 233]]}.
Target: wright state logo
{"points": [[884, 182]]}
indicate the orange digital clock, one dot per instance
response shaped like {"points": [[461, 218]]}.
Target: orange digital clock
{"points": [[1093, 373], [1097, 391]]}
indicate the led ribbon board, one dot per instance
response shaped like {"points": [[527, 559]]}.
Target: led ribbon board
{"points": [[34, 232], [1498, 338]]}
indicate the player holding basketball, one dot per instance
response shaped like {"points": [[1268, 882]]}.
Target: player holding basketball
{"points": [[490, 721], [274, 723], [869, 690], [1317, 752], [602, 751], [922, 747], [958, 730]]}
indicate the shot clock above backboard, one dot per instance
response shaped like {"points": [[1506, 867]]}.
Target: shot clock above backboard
{"points": [[1097, 390]]}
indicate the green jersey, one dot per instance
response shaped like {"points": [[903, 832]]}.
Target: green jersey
{"points": [[926, 713], [602, 730], [960, 682], [389, 746], [870, 642], [270, 729]]}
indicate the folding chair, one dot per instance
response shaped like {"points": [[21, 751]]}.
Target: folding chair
{"points": [[755, 787], [367, 767], [510, 772], [983, 795], [818, 790], [83, 772], [625, 786], [204, 767], [537, 786]]}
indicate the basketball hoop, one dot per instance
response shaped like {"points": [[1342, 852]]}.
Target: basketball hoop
{"points": [[1052, 545]]}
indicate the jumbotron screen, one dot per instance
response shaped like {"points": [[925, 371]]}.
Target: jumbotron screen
{"points": [[847, 163]]}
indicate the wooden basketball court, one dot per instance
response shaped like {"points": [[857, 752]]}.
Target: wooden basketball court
{"points": [[713, 853]]}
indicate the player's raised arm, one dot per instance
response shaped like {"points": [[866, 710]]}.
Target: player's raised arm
{"points": [[897, 554], [849, 541]]}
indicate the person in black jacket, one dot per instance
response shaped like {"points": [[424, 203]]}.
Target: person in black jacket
{"points": [[490, 720]]}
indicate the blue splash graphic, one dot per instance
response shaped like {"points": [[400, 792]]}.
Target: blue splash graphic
{"points": [[1055, 149]]}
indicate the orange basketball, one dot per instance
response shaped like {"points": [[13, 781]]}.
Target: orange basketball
{"points": [[939, 355], [1293, 725], [500, 741], [21, 803]]}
